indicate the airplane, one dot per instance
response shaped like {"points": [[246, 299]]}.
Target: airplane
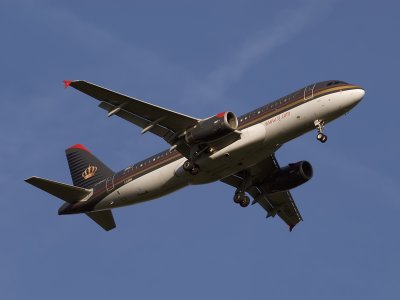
{"points": [[238, 151]]}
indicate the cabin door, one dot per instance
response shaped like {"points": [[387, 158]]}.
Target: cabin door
{"points": [[309, 92], [110, 183]]}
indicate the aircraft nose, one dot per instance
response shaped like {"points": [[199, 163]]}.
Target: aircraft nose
{"points": [[359, 94], [354, 97]]}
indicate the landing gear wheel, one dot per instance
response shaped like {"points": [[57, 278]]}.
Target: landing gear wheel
{"points": [[322, 137], [188, 165], [238, 197], [319, 124], [245, 202]]}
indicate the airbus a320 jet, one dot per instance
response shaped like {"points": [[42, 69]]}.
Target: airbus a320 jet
{"points": [[238, 151]]}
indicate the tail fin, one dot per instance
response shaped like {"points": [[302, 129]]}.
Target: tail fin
{"points": [[72, 194], [66, 192], [86, 169]]}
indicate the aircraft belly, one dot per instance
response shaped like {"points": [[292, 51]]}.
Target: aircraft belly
{"points": [[256, 143], [153, 185]]}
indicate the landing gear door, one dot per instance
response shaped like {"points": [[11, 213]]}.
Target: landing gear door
{"points": [[309, 92], [110, 183]]}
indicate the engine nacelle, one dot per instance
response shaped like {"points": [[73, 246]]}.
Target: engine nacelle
{"points": [[212, 128], [289, 177]]}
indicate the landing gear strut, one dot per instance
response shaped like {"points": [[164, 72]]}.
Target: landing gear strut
{"points": [[319, 124]]}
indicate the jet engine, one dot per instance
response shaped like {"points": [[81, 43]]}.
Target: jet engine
{"points": [[289, 177], [212, 128]]}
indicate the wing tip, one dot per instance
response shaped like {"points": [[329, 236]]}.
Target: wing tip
{"points": [[30, 179], [67, 83]]}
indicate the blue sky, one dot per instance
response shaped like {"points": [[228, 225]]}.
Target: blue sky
{"points": [[198, 58]]}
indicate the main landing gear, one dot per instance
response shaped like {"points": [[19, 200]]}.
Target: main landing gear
{"points": [[191, 167], [319, 124], [240, 194], [241, 198]]}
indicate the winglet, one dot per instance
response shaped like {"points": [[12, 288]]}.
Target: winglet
{"points": [[221, 115], [67, 83], [291, 228]]}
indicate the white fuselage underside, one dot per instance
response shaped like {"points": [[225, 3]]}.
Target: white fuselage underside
{"points": [[257, 142]]}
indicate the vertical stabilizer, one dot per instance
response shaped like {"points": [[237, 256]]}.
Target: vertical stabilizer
{"points": [[86, 169]]}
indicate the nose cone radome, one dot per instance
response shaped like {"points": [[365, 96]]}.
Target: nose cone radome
{"points": [[353, 97], [358, 94]]}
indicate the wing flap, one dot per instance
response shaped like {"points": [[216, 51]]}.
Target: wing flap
{"points": [[138, 121], [281, 203]]}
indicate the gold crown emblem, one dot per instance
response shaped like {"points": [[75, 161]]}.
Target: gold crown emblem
{"points": [[89, 172]]}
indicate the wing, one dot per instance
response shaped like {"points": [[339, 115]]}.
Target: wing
{"points": [[168, 124], [160, 121], [281, 204]]}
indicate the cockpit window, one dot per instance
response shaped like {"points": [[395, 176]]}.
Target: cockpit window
{"points": [[335, 82]]}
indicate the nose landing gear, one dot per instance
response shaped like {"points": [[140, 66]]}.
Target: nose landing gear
{"points": [[319, 124], [240, 194], [322, 137]]}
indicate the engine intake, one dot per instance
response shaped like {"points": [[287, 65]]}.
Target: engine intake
{"points": [[289, 177], [212, 128]]}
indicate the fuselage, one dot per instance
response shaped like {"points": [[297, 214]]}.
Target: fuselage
{"points": [[263, 131]]}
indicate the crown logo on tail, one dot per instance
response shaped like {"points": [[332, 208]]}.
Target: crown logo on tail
{"points": [[89, 172]]}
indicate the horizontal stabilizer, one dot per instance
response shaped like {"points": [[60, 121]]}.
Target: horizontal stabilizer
{"points": [[66, 192], [103, 218]]}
